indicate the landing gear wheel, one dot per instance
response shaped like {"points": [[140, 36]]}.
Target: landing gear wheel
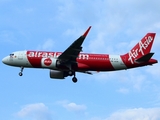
{"points": [[20, 74], [74, 79]]}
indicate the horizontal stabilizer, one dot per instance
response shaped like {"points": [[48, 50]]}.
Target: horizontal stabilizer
{"points": [[145, 58]]}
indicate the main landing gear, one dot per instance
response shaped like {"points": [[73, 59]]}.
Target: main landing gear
{"points": [[74, 79], [21, 72]]}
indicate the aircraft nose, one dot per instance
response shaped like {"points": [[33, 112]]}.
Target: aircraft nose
{"points": [[5, 60]]}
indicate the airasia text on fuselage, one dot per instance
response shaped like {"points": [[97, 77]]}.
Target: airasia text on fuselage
{"points": [[41, 54]]}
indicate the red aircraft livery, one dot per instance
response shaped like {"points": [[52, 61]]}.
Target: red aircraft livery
{"points": [[67, 63]]}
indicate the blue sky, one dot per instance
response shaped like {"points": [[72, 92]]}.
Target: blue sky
{"points": [[53, 25]]}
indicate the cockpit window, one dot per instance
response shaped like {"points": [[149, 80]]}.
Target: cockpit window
{"points": [[11, 55]]}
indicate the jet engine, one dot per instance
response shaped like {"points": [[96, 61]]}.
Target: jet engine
{"points": [[49, 63], [58, 74]]}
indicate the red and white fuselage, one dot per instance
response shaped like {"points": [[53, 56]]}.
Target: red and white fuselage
{"points": [[63, 64], [86, 61]]}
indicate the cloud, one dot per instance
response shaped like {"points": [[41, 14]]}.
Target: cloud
{"points": [[123, 90], [153, 70], [47, 45], [136, 114], [73, 107], [37, 111], [121, 22], [133, 79], [116, 27]]}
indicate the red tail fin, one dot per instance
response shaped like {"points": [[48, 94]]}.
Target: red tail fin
{"points": [[142, 48]]}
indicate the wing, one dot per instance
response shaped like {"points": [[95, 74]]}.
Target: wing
{"points": [[68, 57]]}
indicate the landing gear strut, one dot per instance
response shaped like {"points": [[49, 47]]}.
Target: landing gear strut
{"points": [[74, 79], [21, 72], [72, 72]]}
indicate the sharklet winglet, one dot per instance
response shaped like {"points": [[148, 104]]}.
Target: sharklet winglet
{"points": [[85, 34]]}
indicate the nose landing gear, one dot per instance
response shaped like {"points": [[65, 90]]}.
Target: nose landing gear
{"points": [[21, 72]]}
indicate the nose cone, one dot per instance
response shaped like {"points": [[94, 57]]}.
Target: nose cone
{"points": [[5, 60]]}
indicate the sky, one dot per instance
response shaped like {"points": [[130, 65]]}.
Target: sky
{"points": [[53, 25]]}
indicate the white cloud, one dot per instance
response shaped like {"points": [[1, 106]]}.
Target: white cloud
{"points": [[136, 114], [121, 22], [37, 111], [113, 22], [71, 106], [134, 79], [75, 107], [66, 11], [97, 43], [47, 45]]}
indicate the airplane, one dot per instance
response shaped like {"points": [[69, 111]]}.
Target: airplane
{"points": [[72, 60]]}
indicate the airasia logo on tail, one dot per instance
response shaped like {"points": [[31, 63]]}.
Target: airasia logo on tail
{"points": [[47, 62], [140, 49]]}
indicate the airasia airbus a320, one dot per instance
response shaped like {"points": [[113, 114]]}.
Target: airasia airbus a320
{"points": [[67, 63]]}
